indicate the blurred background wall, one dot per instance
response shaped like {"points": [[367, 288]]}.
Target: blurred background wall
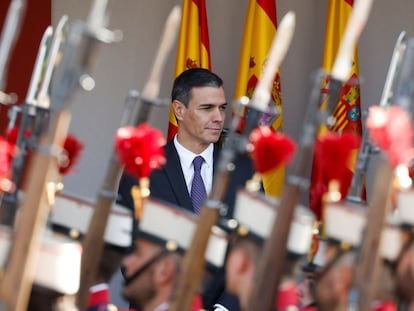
{"points": [[124, 66]]}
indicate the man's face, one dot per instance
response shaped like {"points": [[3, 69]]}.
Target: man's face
{"points": [[142, 289], [202, 121], [232, 272], [240, 272], [332, 287]]}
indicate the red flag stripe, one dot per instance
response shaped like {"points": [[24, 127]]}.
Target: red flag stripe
{"points": [[270, 8], [350, 2], [202, 13], [172, 130]]}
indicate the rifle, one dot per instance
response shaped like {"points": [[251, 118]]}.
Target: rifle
{"points": [[367, 148], [193, 263], [93, 242], [271, 263], [11, 29], [76, 60], [369, 262], [34, 113], [367, 267]]}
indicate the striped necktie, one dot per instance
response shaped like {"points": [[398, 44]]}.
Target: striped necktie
{"points": [[198, 190]]}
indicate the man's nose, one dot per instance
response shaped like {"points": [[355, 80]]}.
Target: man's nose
{"points": [[218, 115], [125, 261]]}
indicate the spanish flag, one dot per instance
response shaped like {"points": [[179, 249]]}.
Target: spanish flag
{"points": [[348, 109], [259, 31], [193, 45]]}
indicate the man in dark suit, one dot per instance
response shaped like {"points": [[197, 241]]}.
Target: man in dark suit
{"points": [[199, 104]]}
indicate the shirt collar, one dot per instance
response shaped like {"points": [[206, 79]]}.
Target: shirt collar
{"points": [[162, 307], [187, 156]]}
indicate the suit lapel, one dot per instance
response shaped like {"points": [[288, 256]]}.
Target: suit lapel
{"points": [[216, 154], [175, 176]]}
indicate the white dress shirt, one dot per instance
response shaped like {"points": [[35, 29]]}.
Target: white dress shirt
{"points": [[162, 307]]}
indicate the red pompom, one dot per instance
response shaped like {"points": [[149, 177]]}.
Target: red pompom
{"points": [[332, 154], [334, 151], [140, 149], [7, 151], [72, 149], [383, 306], [271, 149], [12, 133], [392, 132]]}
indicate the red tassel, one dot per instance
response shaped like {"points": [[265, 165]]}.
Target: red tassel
{"points": [[271, 149], [140, 149], [392, 132], [72, 150], [316, 193]]}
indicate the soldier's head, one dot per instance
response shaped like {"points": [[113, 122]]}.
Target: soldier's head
{"points": [[57, 272], [254, 216], [57, 275], [164, 233], [72, 216]]}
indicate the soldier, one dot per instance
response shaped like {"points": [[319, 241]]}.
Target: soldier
{"points": [[253, 217], [151, 271], [73, 216], [337, 287], [57, 274]]}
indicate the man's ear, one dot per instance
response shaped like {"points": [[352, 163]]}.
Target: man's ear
{"points": [[238, 261], [179, 109]]}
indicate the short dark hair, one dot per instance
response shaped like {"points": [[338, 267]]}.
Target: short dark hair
{"points": [[190, 78]]}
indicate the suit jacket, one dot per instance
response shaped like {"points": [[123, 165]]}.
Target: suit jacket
{"points": [[168, 183]]}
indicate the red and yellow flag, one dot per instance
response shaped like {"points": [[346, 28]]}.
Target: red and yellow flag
{"points": [[193, 45], [348, 109], [259, 30]]}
